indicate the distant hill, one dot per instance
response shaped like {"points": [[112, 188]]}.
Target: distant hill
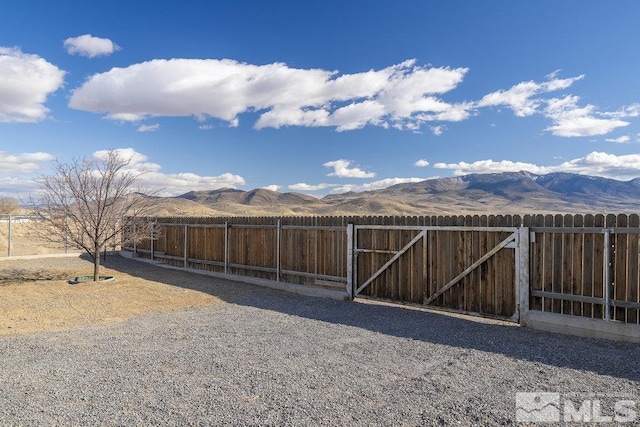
{"points": [[505, 193], [257, 197]]}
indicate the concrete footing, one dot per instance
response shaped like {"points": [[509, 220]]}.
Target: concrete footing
{"points": [[582, 326], [283, 286]]}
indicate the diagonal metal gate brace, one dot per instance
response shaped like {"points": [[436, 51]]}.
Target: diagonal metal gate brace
{"points": [[391, 261], [472, 267]]}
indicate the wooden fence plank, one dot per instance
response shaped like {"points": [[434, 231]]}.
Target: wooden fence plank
{"points": [[619, 291], [567, 263], [598, 263], [588, 266], [556, 287], [576, 267], [633, 281], [548, 263]]}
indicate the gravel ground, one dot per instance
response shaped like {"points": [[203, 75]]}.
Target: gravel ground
{"points": [[266, 357]]}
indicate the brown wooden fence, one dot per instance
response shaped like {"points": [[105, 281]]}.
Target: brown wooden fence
{"points": [[571, 258], [578, 262]]}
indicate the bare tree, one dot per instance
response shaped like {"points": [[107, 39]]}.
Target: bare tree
{"points": [[9, 205], [87, 203]]}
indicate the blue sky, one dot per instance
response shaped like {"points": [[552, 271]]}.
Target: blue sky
{"points": [[319, 97]]}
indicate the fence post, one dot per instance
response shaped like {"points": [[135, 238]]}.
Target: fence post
{"points": [[66, 235], [152, 225], [226, 247], [186, 234], [279, 231], [607, 275], [522, 272], [9, 238], [350, 261]]}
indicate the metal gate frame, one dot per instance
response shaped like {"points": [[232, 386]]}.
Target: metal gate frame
{"points": [[518, 239]]}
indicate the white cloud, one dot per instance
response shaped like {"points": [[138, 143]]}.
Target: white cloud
{"points": [[595, 164], [403, 95], [620, 140], [375, 185], [17, 171], [632, 110], [148, 128], [490, 166], [90, 46], [25, 163], [345, 188], [301, 186], [421, 163], [521, 97], [604, 164], [570, 120], [137, 161], [17, 187], [178, 183], [341, 169], [272, 187], [25, 83], [205, 127], [171, 184]]}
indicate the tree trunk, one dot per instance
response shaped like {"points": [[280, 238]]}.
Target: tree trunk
{"points": [[96, 264]]}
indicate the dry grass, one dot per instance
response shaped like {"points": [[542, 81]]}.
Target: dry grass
{"points": [[25, 241], [34, 299]]}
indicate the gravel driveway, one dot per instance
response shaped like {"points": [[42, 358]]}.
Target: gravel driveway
{"points": [[265, 357]]}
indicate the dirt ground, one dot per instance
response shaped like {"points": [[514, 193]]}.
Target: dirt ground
{"points": [[25, 240], [35, 296]]}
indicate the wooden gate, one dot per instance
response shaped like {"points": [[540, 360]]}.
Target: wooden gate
{"points": [[467, 269]]}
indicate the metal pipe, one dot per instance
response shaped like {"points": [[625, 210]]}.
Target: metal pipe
{"points": [[66, 235], [9, 238], [350, 260], [607, 275]]}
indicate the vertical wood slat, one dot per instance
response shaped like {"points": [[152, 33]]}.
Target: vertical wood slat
{"points": [[633, 281], [619, 279], [576, 265], [567, 264], [499, 269], [556, 286], [588, 266], [475, 275], [490, 283], [547, 279], [468, 260], [609, 292]]}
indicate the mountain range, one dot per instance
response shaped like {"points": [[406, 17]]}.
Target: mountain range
{"points": [[498, 193]]}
